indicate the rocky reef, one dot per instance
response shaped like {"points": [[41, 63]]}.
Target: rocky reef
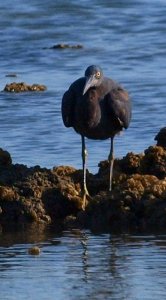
{"points": [[19, 87], [63, 46], [137, 201]]}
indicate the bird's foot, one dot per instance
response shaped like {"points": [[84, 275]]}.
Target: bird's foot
{"points": [[110, 187], [85, 198]]}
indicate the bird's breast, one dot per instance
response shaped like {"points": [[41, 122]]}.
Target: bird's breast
{"points": [[92, 109]]}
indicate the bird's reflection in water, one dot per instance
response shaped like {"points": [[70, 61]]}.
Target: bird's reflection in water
{"points": [[84, 243]]}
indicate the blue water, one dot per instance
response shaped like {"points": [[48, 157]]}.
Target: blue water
{"points": [[127, 39], [79, 265]]}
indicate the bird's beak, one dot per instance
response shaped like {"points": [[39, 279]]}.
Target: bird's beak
{"points": [[90, 82]]}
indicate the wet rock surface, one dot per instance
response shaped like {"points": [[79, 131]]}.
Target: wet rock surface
{"points": [[137, 201], [66, 46], [161, 137], [19, 87]]}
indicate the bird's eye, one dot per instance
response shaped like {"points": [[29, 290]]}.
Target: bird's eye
{"points": [[98, 75]]}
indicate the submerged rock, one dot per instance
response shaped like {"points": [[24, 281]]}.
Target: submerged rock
{"points": [[66, 46], [137, 201], [11, 75], [34, 250], [18, 87]]}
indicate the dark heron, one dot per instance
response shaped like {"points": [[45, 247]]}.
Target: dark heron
{"points": [[97, 108]]}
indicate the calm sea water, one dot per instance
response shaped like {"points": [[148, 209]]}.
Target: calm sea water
{"points": [[127, 39], [79, 265]]}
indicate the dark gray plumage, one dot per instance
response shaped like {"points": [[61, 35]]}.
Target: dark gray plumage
{"points": [[97, 108]]}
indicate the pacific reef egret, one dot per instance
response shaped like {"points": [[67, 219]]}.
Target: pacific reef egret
{"points": [[97, 108]]}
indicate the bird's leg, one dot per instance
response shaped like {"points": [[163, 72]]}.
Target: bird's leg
{"points": [[84, 157], [111, 163]]}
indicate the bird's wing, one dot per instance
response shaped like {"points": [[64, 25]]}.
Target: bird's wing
{"points": [[120, 105], [67, 108]]}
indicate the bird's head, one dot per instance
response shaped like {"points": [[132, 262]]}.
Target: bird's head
{"points": [[94, 77]]}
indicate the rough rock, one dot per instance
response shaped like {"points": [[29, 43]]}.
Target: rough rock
{"points": [[18, 87], [137, 201], [161, 137]]}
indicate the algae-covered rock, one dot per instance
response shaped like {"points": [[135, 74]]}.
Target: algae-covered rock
{"points": [[154, 161], [38, 194], [137, 200], [7, 193], [128, 206], [130, 164], [34, 250], [18, 87]]}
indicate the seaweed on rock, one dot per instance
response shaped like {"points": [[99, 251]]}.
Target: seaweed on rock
{"points": [[137, 201]]}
